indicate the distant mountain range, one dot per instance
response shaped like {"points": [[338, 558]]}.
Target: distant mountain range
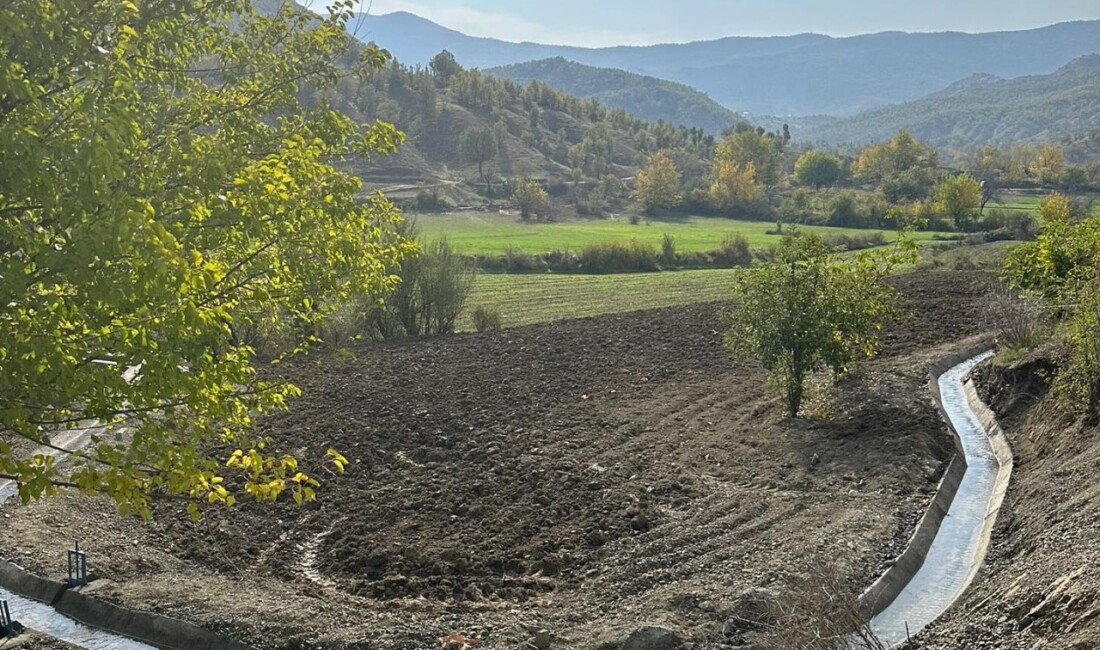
{"points": [[647, 98], [983, 109], [807, 74]]}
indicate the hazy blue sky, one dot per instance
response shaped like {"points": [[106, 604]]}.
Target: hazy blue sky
{"points": [[610, 22]]}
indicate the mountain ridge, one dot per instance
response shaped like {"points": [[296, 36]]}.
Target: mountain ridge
{"points": [[984, 109], [645, 97], [804, 74]]}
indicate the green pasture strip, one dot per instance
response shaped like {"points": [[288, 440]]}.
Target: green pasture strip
{"points": [[490, 233], [529, 299]]}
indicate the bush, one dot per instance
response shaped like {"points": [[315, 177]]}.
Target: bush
{"points": [[429, 200], [855, 242], [734, 252], [532, 201], [1018, 322], [668, 249], [1010, 224], [486, 319], [612, 257], [843, 211], [429, 298]]}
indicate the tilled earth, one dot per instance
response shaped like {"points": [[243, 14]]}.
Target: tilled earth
{"points": [[585, 477]]}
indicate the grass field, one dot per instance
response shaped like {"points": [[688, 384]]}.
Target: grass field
{"points": [[1030, 203], [488, 233], [528, 299]]}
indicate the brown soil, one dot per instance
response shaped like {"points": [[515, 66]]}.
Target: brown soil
{"points": [[1041, 584], [585, 477]]}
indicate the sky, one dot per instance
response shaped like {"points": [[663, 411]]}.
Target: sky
{"points": [[598, 23]]}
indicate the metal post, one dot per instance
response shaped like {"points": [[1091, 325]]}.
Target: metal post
{"points": [[78, 566], [5, 620]]}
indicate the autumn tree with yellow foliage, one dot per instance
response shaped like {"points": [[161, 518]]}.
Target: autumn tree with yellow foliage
{"points": [[164, 194], [658, 183]]}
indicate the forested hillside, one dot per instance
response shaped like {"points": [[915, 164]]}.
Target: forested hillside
{"points": [[463, 124], [807, 74], [645, 97], [984, 110]]}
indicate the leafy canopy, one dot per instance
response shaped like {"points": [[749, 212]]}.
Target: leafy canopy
{"points": [[811, 310], [163, 192], [958, 198], [1062, 266], [658, 183], [817, 169], [531, 199]]}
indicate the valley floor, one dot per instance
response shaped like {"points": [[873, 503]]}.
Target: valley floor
{"points": [[584, 477]]}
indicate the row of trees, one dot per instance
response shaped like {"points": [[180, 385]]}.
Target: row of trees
{"points": [[752, 173]]}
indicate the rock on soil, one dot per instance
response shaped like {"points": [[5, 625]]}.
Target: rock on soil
{"points": [[653, 638]]}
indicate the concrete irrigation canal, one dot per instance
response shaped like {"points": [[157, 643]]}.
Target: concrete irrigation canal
{"points": [[43, 618], [942, 559], [932, 576]]}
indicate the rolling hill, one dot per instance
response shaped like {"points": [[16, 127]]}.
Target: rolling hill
{"points": [[647, 98], [984, 109], [805, 74]]}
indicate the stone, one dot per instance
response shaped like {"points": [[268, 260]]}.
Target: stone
{"points": [[653, 638], [542, 640]]}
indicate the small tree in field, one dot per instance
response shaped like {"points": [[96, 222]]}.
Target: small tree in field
{"points": [[531, 200], [658, 184], [478, 145], [817, 169], [810, 311], [958, 198]]}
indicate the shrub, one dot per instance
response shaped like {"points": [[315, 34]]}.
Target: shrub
{"points": [[611, 257], [668, 249], [516, 261], [843, 211], [816, 609], [532, 201], [1011, 224], [734, 252], [486, 319], [855, 242], [429, 200], [1017, 321], [429, 298]]}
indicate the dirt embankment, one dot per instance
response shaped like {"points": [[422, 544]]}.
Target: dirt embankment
{"points": [[584, 477], [1041, 584]]}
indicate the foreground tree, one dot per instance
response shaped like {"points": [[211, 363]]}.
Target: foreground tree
{"points": [[658, 183], [958, 198], [164, 192], [810, 311]]}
